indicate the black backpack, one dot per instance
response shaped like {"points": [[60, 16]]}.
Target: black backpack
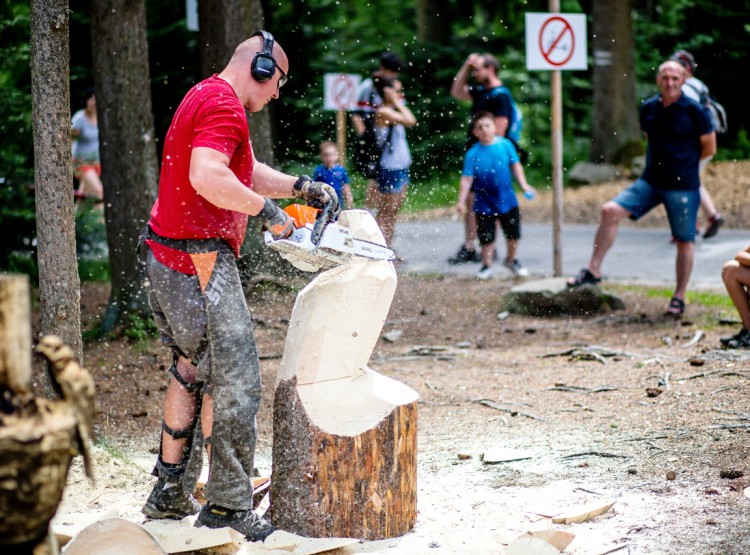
{"points": [[366, 152]]}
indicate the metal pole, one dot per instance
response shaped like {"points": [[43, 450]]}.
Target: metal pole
{"points": [[341, 135], [557, 155]]}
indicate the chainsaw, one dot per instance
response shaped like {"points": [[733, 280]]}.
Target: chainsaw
{"points": [[319, 242]]}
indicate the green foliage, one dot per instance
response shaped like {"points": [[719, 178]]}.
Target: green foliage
{"points": [[139, 327], [16, 147]]}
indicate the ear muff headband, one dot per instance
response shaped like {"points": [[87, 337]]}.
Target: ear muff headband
{"points": [[263, 66]]}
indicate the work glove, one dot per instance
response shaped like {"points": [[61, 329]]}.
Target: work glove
{"points": [[275, 220], [316, 194]]}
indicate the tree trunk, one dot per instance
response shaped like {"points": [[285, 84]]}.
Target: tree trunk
{"points": [[59, 284], [433, 20], [615, 132], [126, 137], [345, 437]]}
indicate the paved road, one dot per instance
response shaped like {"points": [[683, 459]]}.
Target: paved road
{"points": [[644, 255]]}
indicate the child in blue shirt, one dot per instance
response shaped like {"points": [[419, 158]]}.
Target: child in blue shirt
{"points": [[331, 172], [490, 166]]}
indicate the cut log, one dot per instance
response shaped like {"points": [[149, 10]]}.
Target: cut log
{"points": [[345, 437], [38, 438], [37, 443], [15, 334], [114, 536]]}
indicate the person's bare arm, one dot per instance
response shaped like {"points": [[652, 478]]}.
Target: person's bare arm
{"points": [[460, 85], [743, 257], [212, 179], [395, 113], [359, 125], [463, 194], [708, 145], [348, 198], [272, 183], [520, 176]]}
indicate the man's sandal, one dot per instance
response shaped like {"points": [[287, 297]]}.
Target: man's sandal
{"points": [[583, 277], [676, 307]]}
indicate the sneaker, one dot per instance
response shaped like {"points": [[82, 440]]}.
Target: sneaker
{"points": [[515, 267], [465, 255], [737, 341], [167, 500], [714, 223], [247, 523], [484, 272]]}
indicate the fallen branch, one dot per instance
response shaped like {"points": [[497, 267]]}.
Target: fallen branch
{"points": [[596, 454], [699, 334], [512, 412]]}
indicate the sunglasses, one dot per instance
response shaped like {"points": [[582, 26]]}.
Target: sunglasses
{"points": [[284, 77]]}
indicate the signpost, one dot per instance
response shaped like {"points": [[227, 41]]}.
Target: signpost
{"points": [[340, 94], [556, 41]]}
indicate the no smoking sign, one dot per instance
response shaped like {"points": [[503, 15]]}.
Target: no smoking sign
{"points": [[555, 41], [340, 91]]}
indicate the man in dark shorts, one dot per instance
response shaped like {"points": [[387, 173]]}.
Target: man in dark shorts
{"points": [[210, 183], [487, 94], [679, 135]]}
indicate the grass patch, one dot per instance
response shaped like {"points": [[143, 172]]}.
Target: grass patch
{"points": [[94, 269], [713, 305], [111, 449]]}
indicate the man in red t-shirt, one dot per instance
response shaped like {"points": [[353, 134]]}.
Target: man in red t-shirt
{"points": [[210, 183]]}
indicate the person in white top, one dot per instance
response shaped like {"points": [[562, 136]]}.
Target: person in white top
{"points": [[85, 135], [694, 89]]}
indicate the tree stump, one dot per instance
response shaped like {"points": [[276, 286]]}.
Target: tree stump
{"points": [[345, 437], [38, 438]]}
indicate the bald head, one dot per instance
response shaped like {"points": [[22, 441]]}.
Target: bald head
{"points": [[670, 78], [252, 92], [671, 65]]}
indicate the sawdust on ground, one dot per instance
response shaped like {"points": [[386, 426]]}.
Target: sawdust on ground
{"points": [[653, 419]]}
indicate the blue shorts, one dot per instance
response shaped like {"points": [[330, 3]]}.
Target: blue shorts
{"points": [[681, 206], [392, 181]]}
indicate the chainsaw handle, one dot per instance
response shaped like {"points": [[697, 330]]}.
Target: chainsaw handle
{"points": [[326, 215]]}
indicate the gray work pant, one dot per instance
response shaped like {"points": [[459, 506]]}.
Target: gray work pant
{"points": [[213, 328]]}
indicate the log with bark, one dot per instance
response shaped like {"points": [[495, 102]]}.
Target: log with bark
{"points": [[345, 437]]}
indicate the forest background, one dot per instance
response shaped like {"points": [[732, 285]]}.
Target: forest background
{"points": [[323, 36]]}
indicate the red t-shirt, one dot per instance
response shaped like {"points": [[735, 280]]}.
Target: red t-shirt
{"points": [[210, 116]]}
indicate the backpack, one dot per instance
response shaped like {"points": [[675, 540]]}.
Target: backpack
{"points": [[366, 152], [516, 117], [716, 111]]}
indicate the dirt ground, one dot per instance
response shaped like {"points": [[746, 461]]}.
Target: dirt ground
{"points": [[631, 406]]}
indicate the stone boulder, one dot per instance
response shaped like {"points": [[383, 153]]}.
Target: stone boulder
{"points": [[589, 173], [552, 297]]}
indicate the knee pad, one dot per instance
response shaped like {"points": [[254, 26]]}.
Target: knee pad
{"points": [[189, 387]]}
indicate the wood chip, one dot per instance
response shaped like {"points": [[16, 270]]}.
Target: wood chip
{"points": [[584, 513], [529, 545]]}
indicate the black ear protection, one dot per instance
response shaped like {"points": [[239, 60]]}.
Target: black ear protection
{"points": [[263, 65]]}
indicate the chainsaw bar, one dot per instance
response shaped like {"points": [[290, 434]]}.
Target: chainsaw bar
{"points": [[336, 246]]}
